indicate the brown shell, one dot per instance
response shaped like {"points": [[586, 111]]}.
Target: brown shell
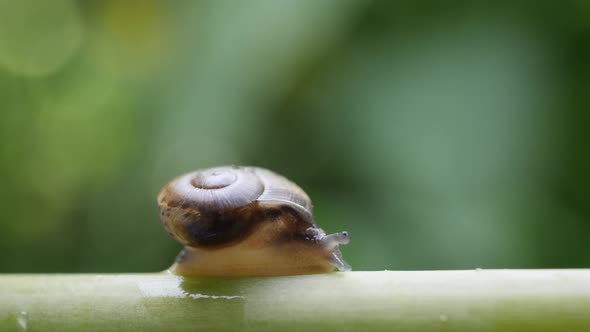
{"points": [[220, 206]]}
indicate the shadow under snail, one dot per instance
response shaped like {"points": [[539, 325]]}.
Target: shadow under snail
{"points": [[245, 221]]}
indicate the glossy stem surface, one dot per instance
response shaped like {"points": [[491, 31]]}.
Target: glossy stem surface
{"points": [[474, 300]]}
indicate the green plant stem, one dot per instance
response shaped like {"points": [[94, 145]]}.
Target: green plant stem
{"points": [[475, 300]]}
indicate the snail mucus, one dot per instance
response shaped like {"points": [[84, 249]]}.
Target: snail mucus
{"points": [[245, 221]]}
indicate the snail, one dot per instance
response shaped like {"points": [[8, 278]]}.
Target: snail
{"points": [[245, 221]]}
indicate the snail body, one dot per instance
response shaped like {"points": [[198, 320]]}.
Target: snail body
{"points": [[245, 221]]}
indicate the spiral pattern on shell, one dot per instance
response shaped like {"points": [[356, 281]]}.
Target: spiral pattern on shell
{"points": [[219, 188]]}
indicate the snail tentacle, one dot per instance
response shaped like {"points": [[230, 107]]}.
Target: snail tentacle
{"points": [[332, 241], [338, 262]]}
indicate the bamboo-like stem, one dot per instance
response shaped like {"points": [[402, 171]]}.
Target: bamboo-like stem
{"points": [[476, 300]]}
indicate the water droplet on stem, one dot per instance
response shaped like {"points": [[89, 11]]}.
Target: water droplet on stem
{"points": [[23, 319]]}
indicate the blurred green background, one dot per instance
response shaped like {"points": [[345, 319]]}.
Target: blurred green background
{"points": [[441, 136]]}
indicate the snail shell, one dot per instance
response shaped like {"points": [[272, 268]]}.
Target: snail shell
{"points": [[245, 221]]}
